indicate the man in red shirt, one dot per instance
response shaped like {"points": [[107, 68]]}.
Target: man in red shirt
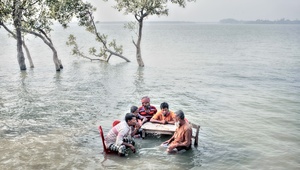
{"points": [[182, 138], [164, 116], [146, 109]]}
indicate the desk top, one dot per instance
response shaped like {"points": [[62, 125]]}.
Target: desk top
{"points": [[148, 126]]}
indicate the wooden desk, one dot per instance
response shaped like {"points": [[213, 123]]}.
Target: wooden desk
{"points": [[167, 129]]}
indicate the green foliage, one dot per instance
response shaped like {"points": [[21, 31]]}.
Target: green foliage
{"points": [[5, 10], [40, 14], [118, 49], [143, 8], [86, 19], [72, 42], [92, 50], [132, 26]]}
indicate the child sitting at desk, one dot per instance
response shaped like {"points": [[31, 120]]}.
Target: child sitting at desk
{"points": [[164, 116], [140, 121]]}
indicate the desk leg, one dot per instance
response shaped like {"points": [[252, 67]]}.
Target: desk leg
{"points": [[143, 134]]}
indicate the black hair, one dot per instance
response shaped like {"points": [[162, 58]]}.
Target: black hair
{"points": [[164, 105], [129, 116], [180, 114], [133, 109]]}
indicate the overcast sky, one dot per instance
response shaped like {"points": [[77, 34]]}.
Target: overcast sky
{"points": [[211, 11]]}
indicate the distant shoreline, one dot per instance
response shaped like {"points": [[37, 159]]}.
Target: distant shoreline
{"points": [[259, 21]]}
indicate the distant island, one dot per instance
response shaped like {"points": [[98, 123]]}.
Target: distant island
{"points": [[259, 21]]}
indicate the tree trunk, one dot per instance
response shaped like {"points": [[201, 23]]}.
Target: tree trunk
{"points": [[56, 61], [138, 45], [21, 58], [17, 14], [47, 41], [116, 54], [28, 54], [23, 43]]}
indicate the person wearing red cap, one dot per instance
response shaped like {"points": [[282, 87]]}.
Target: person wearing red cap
{"points": [[146, 109]]}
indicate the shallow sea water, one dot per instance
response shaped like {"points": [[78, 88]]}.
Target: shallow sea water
{"points": [[241, 83]]}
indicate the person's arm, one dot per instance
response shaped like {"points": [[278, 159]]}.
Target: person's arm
{"points": [[157, 118], [170, 140], [120, 138], [171, 122], [130, 146], [140, 122], [158, 121], [136, 129], [142, 119]]}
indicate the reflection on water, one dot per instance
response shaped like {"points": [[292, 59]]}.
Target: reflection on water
{"points": [[139, 81], [244, 96]]}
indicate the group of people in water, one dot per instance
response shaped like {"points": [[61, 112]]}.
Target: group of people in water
{"points": [[121, 136]]}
